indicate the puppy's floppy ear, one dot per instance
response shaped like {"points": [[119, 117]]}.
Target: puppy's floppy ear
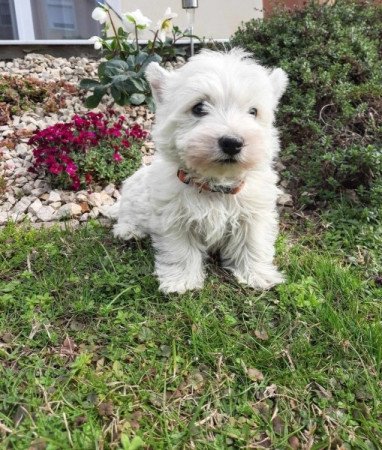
{"points": [[279, 81], [156, 76]]}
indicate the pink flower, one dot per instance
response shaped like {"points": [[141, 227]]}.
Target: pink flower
{"points": [[71, 169], [76, 183], [117, 157], [55, 168], [88, 178], [114, 132]]}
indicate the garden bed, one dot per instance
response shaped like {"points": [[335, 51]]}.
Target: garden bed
{"points": [[28, 196]]}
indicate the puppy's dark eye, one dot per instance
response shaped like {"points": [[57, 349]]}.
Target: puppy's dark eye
{"points": [[253, 112], [199, 110]]}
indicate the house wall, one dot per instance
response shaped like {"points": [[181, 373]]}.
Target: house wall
{"points": [[217, 19]]}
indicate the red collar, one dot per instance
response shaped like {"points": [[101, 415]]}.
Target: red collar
{"points": [[184, 178]]}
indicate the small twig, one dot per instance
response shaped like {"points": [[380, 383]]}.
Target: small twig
{"points": [[5, 429], [44, 393], [322, 110], [29, 263], [35, 329], [67, 429]]}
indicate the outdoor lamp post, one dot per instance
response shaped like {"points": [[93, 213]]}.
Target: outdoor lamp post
{"points": [[190, 6]]}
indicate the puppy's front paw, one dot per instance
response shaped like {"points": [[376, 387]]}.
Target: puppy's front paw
{"points": [[261, 277], [180, 284]]}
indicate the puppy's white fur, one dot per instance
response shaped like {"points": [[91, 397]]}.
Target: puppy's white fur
{"points": [[183, 221]]}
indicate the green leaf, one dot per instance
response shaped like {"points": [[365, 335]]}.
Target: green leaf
{"points": [[123, 100], [116, 93], [150, 103], [88, 83], [135, 444], [93, 100], [138, 84], [115, 67], [137, 99]]}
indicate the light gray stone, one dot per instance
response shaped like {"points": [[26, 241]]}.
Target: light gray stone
{"points": [[35, 207], [3, 217], [106, 199], [94, 213], [21, 206], [54, 196], [109, 189], [45, 213], [21, 150], [68, 210], [7, 206], [95, 199], [285, 200]]}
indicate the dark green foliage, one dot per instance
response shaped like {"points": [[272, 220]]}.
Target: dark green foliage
{"points": [[123, 79], [331, 115]]}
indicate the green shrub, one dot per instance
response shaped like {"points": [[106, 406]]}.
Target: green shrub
{"points": [[331, 115]]}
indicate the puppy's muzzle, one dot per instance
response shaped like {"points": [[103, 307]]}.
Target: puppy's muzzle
{"points": [[231, 145]]}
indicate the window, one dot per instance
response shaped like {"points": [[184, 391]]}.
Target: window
{"points": [[64, 19], [52, 20], [8, 28], [61, 15]]}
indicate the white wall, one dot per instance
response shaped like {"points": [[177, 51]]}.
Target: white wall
{"points": [[217, 19]]}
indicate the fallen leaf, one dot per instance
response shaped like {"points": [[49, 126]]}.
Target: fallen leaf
{"points": [[165, 350], [278, 425], [294, 443], [80, 420], [196, 380], [20, 414], [68, 347], [254, 374], [7, 337], [38, 444], [262, 335], [106, 409]]}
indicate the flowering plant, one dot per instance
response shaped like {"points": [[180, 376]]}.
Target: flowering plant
{"points": [[122, 75], [92, 149]]}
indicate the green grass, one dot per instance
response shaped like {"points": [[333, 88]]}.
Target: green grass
{"points": [[92, 356]]}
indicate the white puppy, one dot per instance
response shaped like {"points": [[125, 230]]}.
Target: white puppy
{"points": [[211, 185]]}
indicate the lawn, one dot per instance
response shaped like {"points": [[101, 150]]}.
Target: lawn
{"points": [[94, 357]]}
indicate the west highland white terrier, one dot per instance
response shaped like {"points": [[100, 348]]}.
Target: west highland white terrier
{"points": [[211, 186]]}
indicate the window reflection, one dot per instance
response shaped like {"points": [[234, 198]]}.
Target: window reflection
{"points": [[64, 19]]}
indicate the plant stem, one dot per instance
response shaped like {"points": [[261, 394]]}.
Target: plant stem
{"points": [[155, 38], [115, 31], [136, 38]]}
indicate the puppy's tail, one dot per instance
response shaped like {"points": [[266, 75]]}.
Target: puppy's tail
{"points": [[111, 211]]}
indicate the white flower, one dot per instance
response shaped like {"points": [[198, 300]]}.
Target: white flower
{"points": [[138, 19], [100, 14], [97, 41], [165, 24]]}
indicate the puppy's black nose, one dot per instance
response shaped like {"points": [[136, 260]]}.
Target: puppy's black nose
{"points": [[231, 145]]}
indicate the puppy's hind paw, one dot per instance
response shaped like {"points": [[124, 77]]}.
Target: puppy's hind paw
{"points": [[127, 232], [261, 279]]}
